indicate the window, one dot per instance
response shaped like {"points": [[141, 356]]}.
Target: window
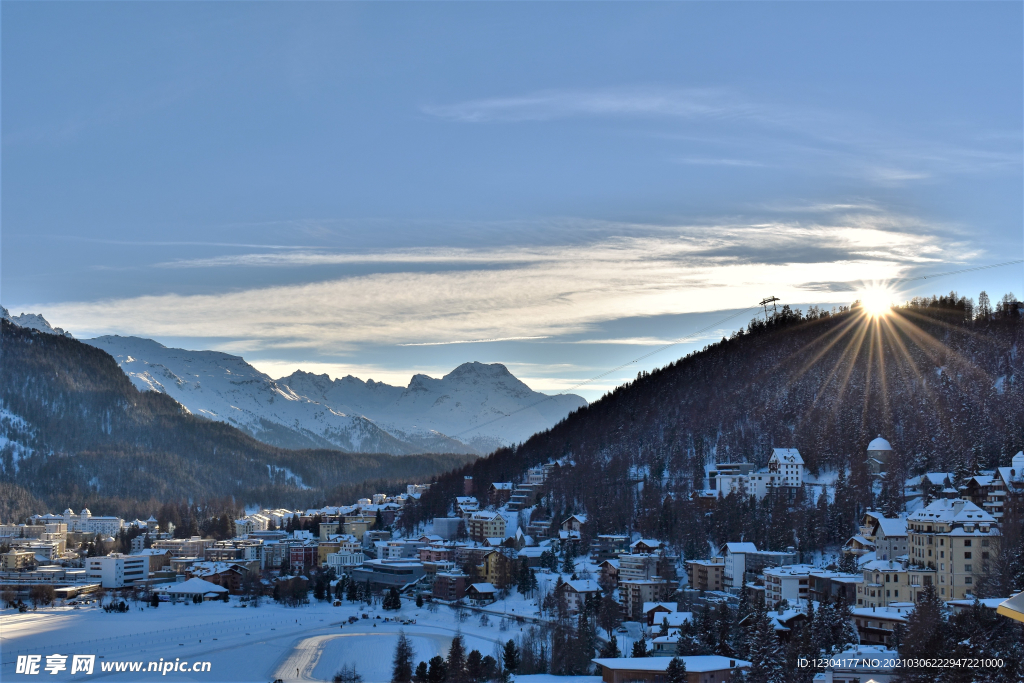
{"points": [[967, 543], [984, 543], [968, 580], [967, 556], [967, 567], [984, 556]]}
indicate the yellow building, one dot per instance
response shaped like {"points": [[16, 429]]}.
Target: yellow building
{"points": [[953, 544]]}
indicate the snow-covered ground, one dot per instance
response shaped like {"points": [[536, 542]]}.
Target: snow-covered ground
{"points": [[249, 644]]}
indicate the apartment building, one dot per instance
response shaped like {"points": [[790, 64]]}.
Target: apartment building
{"points": [[116, 570], [634, 593], [885, 582], [790, 583], [706, 575], [483, 525], [953, 544], [185, 547]]}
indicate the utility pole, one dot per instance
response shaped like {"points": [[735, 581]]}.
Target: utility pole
{"points": [[770, 300]]}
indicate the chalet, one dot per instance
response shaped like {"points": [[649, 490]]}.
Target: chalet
{"points": [[577, 592], [481, 593], [653, 611]]}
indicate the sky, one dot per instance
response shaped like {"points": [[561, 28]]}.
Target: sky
{"points": [[382, 189]]}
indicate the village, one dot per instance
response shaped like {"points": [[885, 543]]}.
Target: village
{"points": [[497, 554]]}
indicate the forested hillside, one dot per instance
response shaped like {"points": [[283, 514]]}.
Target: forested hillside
{"points": [[946, 388], [75, 431]]}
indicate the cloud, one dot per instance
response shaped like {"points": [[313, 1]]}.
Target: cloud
{"points": [[557, 104], [479, 295]]}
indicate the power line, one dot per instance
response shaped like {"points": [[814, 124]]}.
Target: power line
{"points": [[702, 331]]}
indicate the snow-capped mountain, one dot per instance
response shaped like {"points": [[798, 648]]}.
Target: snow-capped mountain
{"points": [[225, 388], [32, 321], [465, 404], [448, 415]]}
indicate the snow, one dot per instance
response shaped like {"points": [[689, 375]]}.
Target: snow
{"points": [[465, 399], [304, 410], [248, 644], [225, 388], [32, 321]]}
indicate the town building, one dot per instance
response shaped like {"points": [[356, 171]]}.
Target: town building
{"points": [[744, 562], [116, 570], [184, 547], [875, 625], [826, 585], [607, 546], [387, 573], [953, 544], [634, 593], [483, 524], [785, 472], [706, 575], [790, 583], [879, 452], [83, 522], [577, 592], [13, 560], [499, 493], [699, 669], [885, 582], [449, 586], [481, 593]]}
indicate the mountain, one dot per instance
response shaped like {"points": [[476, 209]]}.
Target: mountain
{"points": [[945, 388], [222, 387], [484, 406], [32, 321], [75, 430], [447, 415]]}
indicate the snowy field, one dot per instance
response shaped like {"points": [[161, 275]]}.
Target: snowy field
{"points": [[242, 644]]}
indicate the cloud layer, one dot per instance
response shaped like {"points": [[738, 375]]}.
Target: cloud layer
{"points": [[501, 294]]}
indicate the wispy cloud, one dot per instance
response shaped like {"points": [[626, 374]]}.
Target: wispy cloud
{"points": [[540, 292], [555, 104]]}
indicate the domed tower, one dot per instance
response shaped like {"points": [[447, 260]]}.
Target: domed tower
{"points": [[879, 451]]}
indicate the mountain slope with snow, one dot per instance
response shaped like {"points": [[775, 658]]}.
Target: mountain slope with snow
{"points": [[458, 413], [225, 388], [33, 321], [484, 406]]}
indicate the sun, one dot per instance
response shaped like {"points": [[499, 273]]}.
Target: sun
{"points": [[876, 302]]}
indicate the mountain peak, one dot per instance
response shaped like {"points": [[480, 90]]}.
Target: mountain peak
{"points": [[33, 321]]}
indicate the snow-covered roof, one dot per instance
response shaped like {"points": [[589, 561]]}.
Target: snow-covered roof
{"points": [[649, 542], [648, 606], [694, 664], [882, 566], [482, 588], [952, 511], [788, 455], [673, 619], [583, 586], [193, 586], [879, 613], [879, 444], [893, 527], [934, 478], [740, 548]]}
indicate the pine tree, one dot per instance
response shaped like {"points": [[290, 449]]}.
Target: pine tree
{"points": [[421, 673], [510, 656], [926, 635], [765, 655], [639, 648], [610, 649], [392, 601], [438, 670], [401, 663], [676, 671], [457, 661], [474, 667]]}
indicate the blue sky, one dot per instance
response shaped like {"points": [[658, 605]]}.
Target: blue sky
{"points": [[388, 188]]}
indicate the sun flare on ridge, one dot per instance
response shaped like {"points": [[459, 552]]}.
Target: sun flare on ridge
{"points": [[876, 301]]}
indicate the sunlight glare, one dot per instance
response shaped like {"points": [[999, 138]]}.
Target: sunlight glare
{"points": [[876, 302]]}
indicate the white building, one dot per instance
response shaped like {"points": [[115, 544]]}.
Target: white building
{"points": [[84, 522], [785, 470], [116, 570], [345, 561], [790, 583]]}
